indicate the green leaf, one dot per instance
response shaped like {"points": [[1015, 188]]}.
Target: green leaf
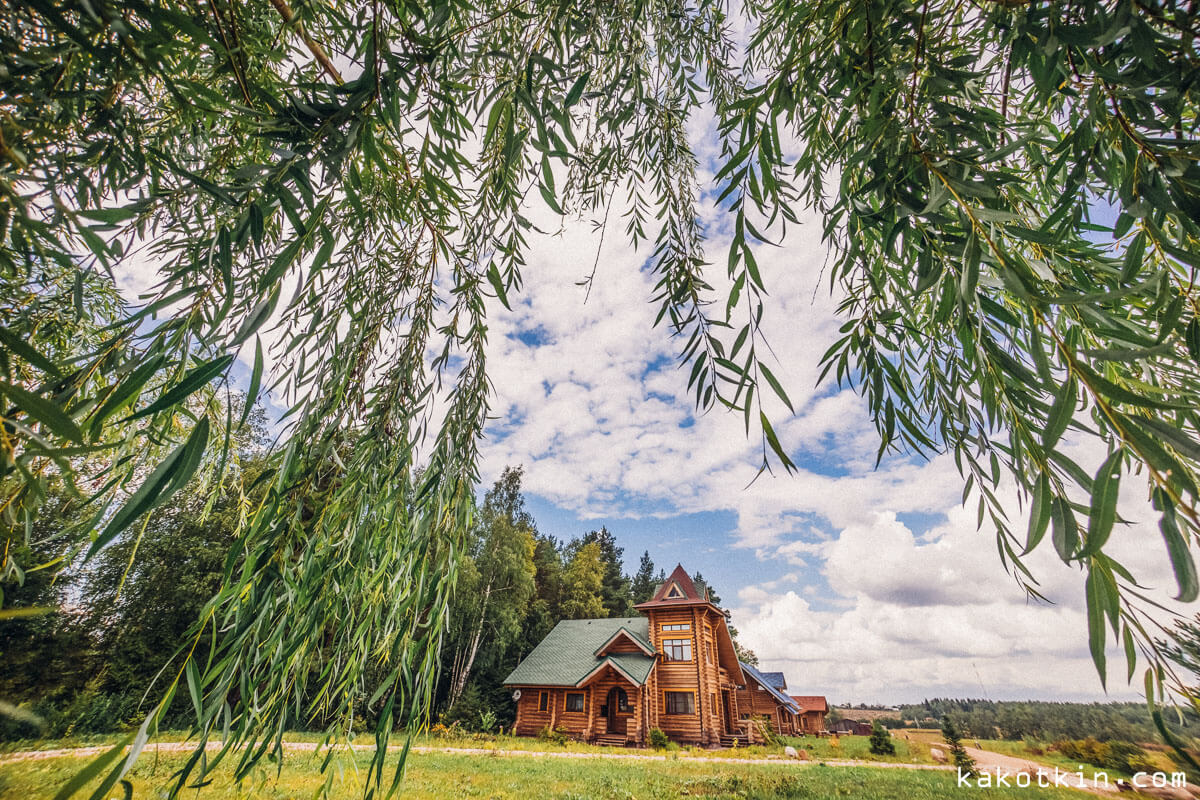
{"points": [[47, 413], [1096, 602], [1062, 411], [776, 386], [1103, 514], [1193, 339], [773, 441], [1177, 548], [576, 90], [25, 351], [1039, 514], [255, 382], [193, 682], [493, 276], [174, 471], [1130, 652], [125, 391], [198, 376], [1064, 529], [93, 768]]}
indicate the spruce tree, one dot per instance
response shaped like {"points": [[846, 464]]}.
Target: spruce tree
{"points": [[642, 585], [962, 759], [881, 740]]}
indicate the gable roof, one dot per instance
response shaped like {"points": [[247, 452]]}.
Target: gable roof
{"points": [[777, 680], [811, 702], [568, 654], [629, 636], [762, 681]]}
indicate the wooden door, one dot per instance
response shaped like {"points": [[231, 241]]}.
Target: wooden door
{"points": [[728, 708], [618, 715]]}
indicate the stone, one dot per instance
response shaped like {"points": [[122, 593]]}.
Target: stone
{"points": [[938, 755], [790, 752]]}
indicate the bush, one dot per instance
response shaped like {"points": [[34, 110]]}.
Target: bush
{"points": [[881, 741], [658, 739], [555, 735], [1126, 757], [1088, 751]]}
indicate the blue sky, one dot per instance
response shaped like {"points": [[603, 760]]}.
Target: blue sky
{"points": [[862, 583]]}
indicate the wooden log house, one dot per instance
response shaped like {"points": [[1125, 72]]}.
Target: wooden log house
{"points": [[813, 708], [761, 698], [611, 681]]}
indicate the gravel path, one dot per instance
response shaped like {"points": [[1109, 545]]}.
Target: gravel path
{"points": [[166, 747], [1011, 766]]}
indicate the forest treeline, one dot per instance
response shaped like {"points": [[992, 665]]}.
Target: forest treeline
{"points": [[1041, 720], [87, 656], [87, 653]]}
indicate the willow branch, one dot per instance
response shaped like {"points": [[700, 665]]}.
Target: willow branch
{"points": [[312, 44]]}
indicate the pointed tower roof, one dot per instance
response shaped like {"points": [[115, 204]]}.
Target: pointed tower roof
{"points": [[677, 589]]}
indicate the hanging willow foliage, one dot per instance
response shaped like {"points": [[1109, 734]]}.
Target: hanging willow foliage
{"points": [[350, 182]]}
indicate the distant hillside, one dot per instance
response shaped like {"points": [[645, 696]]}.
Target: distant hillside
{"points": [[865, 714]]}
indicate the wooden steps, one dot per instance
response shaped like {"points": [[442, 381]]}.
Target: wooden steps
{"points": [[611, 740]]}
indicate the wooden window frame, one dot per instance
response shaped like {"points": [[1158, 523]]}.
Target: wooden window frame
{"points": [[686, 646], [543, 702], [675, 627], [667, 705], [567, 701]]}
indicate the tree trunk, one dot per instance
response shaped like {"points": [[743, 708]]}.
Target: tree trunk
{"points": [[463, 661]]}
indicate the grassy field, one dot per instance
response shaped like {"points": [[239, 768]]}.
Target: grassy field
{"points": [[909, 749], [525, 777]]}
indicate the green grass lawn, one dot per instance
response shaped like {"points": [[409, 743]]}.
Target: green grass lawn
{"points": [[909, 750], [526, 777]]}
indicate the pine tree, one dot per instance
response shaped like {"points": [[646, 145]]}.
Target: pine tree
{"points": [[962, 760], [642, 585], [881, 740]]}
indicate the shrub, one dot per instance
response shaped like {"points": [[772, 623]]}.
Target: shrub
{"points": [[881, 741], [658, 739], [1126, 757], [555, 735], [1088, 751]]}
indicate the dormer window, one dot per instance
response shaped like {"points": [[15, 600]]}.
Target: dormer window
{"points": [[674, 593]]}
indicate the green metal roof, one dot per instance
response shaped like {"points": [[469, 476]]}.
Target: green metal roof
{"points": [[567, 656]]}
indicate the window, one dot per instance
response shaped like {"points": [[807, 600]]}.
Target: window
{"points": [[708, 652], [622, 700], [543, 701], [677, 649], [678, 626], [712, 702], [674, 592], [680, 703], [574, 701]]}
